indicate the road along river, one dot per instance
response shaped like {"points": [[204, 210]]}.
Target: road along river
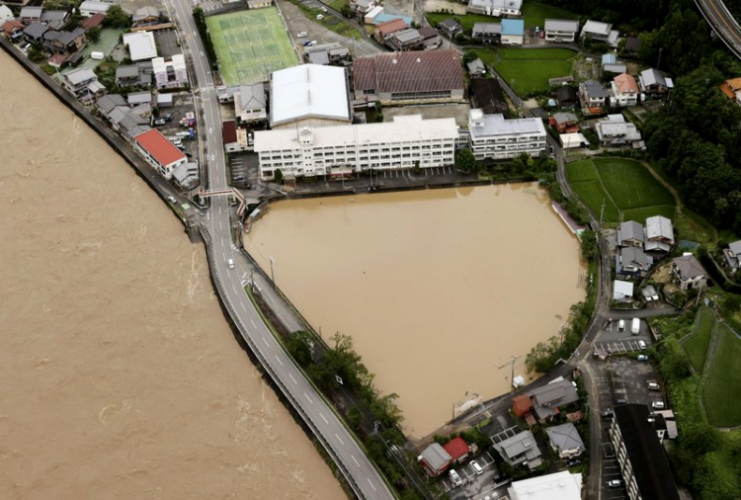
{"points": [[437, 288], [121, 377]]}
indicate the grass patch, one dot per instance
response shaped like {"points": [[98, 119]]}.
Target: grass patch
{"points": [[630, 184], [640, 214], [330, 22], [526, 70], [466, 21], [697, 344], [692, 227], [48, 69], [535, 14], [250, 45], [337, 4], [582, 170], [594, 196], [721, 383]]}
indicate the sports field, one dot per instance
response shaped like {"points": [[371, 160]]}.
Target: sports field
{"points": [[721, 385], [626, 188], [528, 70], [250, 45]]}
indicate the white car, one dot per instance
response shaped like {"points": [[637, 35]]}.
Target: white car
{"points": [[303, 34], [657, 405], [172, 199], [230, 263], [476, 467], [455, 478], [319, 17]]}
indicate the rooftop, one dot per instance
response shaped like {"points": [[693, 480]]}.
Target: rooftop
{"points": [[157, 145], [621, 289], [482, 125], [522, 443], [558, 486], [436, 456], [79, 75], [409, 72], [307, 91], [456, 448], [229, 131], [141, 45], [566, 25], [735, 247], [626, 83], [391, 26], [596, 28], [513, 27], [487, 28], [252, 97], [659, 226], [488, 95], [689, 267], [648, 460]]}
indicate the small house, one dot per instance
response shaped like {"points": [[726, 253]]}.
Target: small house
{"points": [[458, 449], [434, 460], [451, 28], [5, 14], [487, 94], [34, 32], [733, 256], [30, 15], [487, 32], [519, 449], [564, 122], [630, 234], [565, 441], [250, 103], [145, 16], [431, 38], [600, 32], [615, 131], [659, 234], [622, 291], [567, 96], [408, 39], [89, 8], [513, 31], [385, 30], [632, 261], [495, 8], [624, 91], [476, 68], [561, 30], [655, 83], [594, 96], [732, 89], [689, 272]]}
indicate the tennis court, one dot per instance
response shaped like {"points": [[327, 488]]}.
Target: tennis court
{"points": [[250, 45]]}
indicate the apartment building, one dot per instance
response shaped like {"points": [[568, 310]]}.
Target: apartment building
{"points": [[561, 30], [344, 149], [643, 463], [170, 74], [492, 136]]}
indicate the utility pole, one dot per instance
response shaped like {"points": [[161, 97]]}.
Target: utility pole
{"points": [[511, 362], [272, 273]]}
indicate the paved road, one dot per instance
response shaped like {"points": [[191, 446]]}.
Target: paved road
{"points": [[722, 22], [360, 473]]}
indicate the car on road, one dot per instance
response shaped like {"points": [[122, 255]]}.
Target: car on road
{"points": [[657, 405], [615, 483], [653, 386], [172, 199], [476, 467], [307, 43], [303, 34], [573, 462], [607, 414], [455, 478], [319, 17], [642, 357], [230, 263]]}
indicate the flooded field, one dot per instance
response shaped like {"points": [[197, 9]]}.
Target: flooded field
{"points": [[120, 376], [438, 288]]}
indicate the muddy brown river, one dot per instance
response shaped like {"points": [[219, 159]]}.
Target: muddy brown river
{"points": [[120, 376], [437, 288]]}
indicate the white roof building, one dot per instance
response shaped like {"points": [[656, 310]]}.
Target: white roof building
{"points": [[493, 136], [141, 45], [90, 7], [559, 486], [309, 92], [5, 14], [622, 290]]}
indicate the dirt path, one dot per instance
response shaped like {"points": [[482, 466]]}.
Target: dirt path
{"points": [[662, 181]]}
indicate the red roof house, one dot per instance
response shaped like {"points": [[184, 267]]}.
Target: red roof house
{"points": [[457, 448], [384, 30], [229, 132], [521, 405], [92, 21], [159, 152]]}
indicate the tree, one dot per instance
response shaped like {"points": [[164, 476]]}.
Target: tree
{"points": [[347, 11], [278, 176], [469, 56], [589, 248], [116, 18], [465, 161], [35, 54], [94, 33], [732, 304]]}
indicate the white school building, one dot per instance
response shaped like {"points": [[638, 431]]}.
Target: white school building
{"points": [[493, 136]]}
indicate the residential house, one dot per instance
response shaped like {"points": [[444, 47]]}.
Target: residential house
{"points": [[410, 77], [170, 74], [339, 56], [567, 96], [622, 291], [610, 64], [139, 98], [5, 14], [632, 45], [107, 103], [370, 16], [496, 8], [655, 83], [186, 175], [160, 153], [259, 4], [624, 91], [431, 38], [630, 234], [643, 464], [94, 21], [565, 441], [141, 45], [458, 450], [13, 29], [250, 103], [593, 96], [487, 32], [573, 140], [146, 16], [55, 19], [451, 28], [89, 8], [520, 449], [688, 271], [434, 459], [320, 57], [732, 89], [408, 39], [733, 256], [549, 398], [361, 7], [476, 68], [384, 17], [564, 123], [494, 137], [614, 130], [632, 261], [139, 74], [513, 31], [521, 405], [561, 30], [83, 83], [235, 138], [600, 32], [34, 32], [385, 30], [487, 94], [557, 486], [65, 42], [659, 234], [30, 15]]}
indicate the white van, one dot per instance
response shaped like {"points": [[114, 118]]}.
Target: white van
{"points": [[635, 327], [230, 263], [621, 325], [641, 345]]}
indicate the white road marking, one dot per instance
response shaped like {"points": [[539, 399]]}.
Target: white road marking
{"points": [[307, 397], [369, 482], [354, 460], [235, 289], [339, 439], [266, 342], [294, 380], [278, 359], [253, 323], [221, 224], [323, 417], [243, 307]]}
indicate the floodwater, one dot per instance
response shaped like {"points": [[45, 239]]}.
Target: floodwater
{"points": [[437, 288], [120, 376]]}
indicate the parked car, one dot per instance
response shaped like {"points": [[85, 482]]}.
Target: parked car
{"points": [[621, 325], [172, 199], [455, 478], [319, 17], [642, 357], [159, 122], [642, 345], [621, 402], [230, 263], [307, 43], [653, 386], [615, 483], [476, 467], [303, 34], [657, 405], [573, 462], [607, 414], [323, 9]]}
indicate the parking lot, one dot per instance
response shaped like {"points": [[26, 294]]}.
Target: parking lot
{"points": [[167, 42], [243, 170], [614, 340], [474, 485], [182, 104]]}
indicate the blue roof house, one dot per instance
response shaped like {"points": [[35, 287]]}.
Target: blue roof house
{"points": [[513, 31]]}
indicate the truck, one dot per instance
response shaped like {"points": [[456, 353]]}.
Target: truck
{"points": [[635, 327]]}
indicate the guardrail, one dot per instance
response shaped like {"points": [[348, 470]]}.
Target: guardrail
{"points": [[718, 31], [266, 365]]}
